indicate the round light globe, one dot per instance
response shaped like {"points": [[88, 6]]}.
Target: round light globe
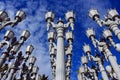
{"points": [[117, 46], [108, 69]]}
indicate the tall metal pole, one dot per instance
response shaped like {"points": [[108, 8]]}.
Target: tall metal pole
{"points": [[101, 68], [60, 61], [11, 74], [103, 72], [60, 29]]}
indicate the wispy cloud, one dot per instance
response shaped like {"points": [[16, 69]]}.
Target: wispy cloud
{"points": [[35, 23]]}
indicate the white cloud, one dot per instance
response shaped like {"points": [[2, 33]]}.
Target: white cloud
{"points": [[34, 23]]}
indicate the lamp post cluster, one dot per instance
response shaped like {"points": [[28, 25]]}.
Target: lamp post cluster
{"points": [[60, 49], [14, 65], [5, 20], [102, 49]]}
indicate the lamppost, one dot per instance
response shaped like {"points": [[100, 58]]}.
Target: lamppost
{"points": [[103, 47], [13, 64], [53, 51], [68, 51], [5, 20], [112, 20], [108, 35], [99, 62], [13, 48], [97, 59], [85, 72], [60, 28], [7, 37]]}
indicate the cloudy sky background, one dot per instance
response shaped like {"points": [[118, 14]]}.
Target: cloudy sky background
{"points": [[35, 23]]}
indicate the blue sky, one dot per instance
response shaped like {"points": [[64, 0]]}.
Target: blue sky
{"points": [[35, 23]]}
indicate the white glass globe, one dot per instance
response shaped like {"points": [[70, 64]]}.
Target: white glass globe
{"points": [[117, 46], [108, 69]]}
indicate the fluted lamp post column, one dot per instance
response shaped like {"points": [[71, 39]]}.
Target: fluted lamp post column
{"points": [[69, 38], [52, 50], [60, 27]]}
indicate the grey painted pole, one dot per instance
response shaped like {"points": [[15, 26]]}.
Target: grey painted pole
{"points": [[103, 72], [3, 59], [68, 67], [112, 60], [8, 71], [115, 66], [59, 28], [101, 67], [83, 76], [79, 76], [60, 61], [8, 35], [116, 30], [11, 74]]}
